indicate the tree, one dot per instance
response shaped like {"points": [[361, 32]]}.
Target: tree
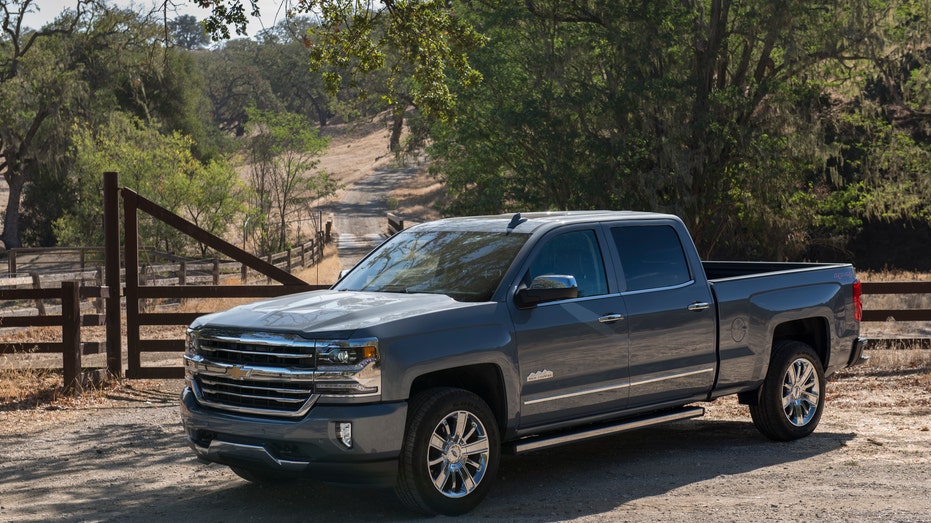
{"points": [[284, 152], [158, 166], [732, 114], [353, 39], [282, 59], [714, 110], [235, 81], [187, 32], [38, 80]]}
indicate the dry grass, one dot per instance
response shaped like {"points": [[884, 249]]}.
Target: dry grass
{"points": [[418, 199]]}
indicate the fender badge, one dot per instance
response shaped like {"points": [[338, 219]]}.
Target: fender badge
{"points": [[238, 372], [539, 375]]}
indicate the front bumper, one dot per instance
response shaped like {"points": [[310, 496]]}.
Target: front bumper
{"points": [[308, 447]]}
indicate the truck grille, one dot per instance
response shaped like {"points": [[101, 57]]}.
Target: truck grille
{"points": [[257, 350], [254, 373], [284, 397]]}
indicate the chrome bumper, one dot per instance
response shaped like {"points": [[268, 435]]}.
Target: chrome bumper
{"points": [[217, 450]]}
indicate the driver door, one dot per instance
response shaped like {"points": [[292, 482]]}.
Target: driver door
{"points": [[573, 353]]}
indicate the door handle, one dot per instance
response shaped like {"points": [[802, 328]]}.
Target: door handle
{"points": [[699, 306], [610, 318]]}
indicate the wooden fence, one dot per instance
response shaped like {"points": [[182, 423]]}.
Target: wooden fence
{"points": [[70, 320]]}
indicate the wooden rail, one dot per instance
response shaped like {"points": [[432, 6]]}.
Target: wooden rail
{"points": [[395, 224], [908, 315], [874, 288]]}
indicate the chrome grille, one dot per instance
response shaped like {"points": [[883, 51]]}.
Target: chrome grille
{"points": [[257, 349], [284, 397], [254, 373]]}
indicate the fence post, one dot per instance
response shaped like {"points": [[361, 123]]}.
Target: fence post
{"points": [[268, 279], [216, 271], [111, 250], [98, 281], [182, 273], [36, 284], [71, 334], [245, 273]]}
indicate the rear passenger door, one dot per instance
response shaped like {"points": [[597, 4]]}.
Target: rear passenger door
{"points": [[670, 313]]}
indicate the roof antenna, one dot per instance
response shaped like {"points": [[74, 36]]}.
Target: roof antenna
{"points": [[515, 221]]}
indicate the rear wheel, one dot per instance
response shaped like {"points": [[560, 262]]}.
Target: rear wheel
{"points": [[450, 454], [791, 399]]}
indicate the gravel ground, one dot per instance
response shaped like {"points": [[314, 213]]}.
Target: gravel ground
{"points": [[120, 455]]}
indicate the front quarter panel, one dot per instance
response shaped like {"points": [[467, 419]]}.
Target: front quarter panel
{"points": [[474, 335]]}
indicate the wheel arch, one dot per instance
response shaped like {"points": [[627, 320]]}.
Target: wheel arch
{"points": [[813, 331], [485, 380]]}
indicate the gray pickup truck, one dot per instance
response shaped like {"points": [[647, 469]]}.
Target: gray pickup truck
{"points": [[460, 339]]}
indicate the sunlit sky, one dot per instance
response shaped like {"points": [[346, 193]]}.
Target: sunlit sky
{"points": [[47, 10]]}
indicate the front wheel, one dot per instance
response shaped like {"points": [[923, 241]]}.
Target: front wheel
{"points": [[450, 454], [791, 399]]}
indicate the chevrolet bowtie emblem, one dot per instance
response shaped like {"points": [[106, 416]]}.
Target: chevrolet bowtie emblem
{"points": [[238, 373]]}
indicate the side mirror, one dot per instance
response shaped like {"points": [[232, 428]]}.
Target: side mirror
{"points": [[546, 288]]}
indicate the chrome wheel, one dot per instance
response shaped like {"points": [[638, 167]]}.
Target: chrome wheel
{"points": [[801, 392], [790, 401], [457, 457], [451, 452]]}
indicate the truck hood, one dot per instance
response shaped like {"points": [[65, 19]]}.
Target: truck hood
{"points": [[328, 311]]}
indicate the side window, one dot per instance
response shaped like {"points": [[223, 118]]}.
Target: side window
{"points": [[651, 256], [576, 254]]}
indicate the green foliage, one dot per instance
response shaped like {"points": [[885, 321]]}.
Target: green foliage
{"points": [[426, 41], [718, 111], [160, 167], [187, 32], [284, 182]]}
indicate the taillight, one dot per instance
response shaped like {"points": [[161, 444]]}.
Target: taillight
{"points": [[857, 300]]}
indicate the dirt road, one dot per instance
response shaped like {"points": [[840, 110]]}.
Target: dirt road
{"points": [[124, 458], [359, 216]]}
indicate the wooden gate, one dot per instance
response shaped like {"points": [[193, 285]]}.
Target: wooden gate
{"points": [[134, 292]]}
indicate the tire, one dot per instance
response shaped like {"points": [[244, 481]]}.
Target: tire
{"points": [[259, 477], [450, 454], [791, 399]]}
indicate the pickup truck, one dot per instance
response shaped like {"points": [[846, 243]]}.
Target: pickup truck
{"points": [[460, 339]]}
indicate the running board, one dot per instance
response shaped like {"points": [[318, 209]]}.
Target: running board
{"points": [[563, 438]]}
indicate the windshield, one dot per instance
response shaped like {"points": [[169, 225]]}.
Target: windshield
{"points": [[464, 265]]}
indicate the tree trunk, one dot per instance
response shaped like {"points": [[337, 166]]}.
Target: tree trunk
{"points": [[397, 126], [11, 236]]}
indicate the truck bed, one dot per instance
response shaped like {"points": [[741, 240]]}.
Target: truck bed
{"points": [[719, 270]]}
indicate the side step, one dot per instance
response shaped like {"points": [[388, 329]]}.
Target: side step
{"points": [[590, 432]]}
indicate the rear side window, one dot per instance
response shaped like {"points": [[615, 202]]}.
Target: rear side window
{"points": [[651, 256]]}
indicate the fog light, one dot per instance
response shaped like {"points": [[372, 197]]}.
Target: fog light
{"points": [[344, 431]]}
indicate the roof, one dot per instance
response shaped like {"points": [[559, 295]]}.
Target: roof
{"points": [[531, 221]]}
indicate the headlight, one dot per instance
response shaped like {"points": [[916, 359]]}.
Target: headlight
{"points": [[350, 352], [348, 368], [191, 343]]}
